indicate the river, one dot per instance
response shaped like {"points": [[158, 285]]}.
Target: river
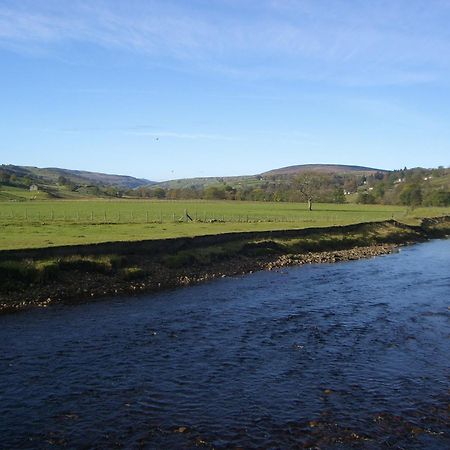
{"points": [[353, 354]]}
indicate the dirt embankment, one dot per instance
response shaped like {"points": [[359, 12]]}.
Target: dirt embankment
{"points": [[40, 277]]}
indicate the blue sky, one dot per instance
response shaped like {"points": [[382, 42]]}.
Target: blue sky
{"points": [[176, 88]]}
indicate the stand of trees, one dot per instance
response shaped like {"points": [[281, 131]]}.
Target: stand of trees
{"points": [[411, 187], [308, 187]]}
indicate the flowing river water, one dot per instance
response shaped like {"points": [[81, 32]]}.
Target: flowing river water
{"points": [[347, 355]]}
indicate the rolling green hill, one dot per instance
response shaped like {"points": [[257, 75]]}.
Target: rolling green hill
{"points": [[21, 183], [50, 175]]}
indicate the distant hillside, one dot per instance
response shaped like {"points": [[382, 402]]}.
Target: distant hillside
{"points": [[330, 183], [324, 168], [52, 174], [203, 182], [255, 180]]}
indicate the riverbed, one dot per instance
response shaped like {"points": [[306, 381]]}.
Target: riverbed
{"points": [[352, 354]]}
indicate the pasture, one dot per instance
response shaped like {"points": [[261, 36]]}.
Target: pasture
{"points": [[36, 223]]}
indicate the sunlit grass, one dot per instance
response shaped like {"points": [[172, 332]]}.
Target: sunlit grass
{"points": [[50, 223]]}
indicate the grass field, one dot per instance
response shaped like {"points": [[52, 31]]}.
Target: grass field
{"points": [[63, 222]]}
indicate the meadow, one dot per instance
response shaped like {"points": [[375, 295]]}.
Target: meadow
{"points": [[34, 224]]}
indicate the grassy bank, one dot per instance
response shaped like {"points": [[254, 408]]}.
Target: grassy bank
{"points": [[43, 280], [37, 224]]}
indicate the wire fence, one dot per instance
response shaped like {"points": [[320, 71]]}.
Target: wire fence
{"points": [[142, 217]]}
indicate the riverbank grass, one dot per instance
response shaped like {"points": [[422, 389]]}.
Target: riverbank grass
{"points": [[40, 271], [26, 280], [39, 224]]}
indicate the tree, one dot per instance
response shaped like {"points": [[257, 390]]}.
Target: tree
{"points": [[437, 198], [350, 185], [338, 195], [258, 195], [365, 198], [159, 193], [308, 185], [379, 191], [411, 195], [214, 193]]}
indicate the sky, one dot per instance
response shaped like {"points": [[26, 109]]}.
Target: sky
{"points": [[165, 89]]}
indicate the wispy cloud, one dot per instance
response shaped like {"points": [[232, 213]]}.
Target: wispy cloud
{"points": [[183, 136], [402, 42], [139, 130], [153, 132]]}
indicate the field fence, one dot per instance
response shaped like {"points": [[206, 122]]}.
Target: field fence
{"points": [[141, 217]]}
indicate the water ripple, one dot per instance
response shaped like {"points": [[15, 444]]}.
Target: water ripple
{"points": [[347, 355]]}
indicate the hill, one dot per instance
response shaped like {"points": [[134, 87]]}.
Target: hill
{"points": [[52, 174], [203, 182], [254, 180], [338, 169], [20, 183]]}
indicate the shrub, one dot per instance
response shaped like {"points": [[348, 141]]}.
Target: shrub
{"points": [[103, 264], [132, 273], [28, 271]]}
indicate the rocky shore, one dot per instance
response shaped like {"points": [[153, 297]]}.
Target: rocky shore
{"points": [[41, 277], [79, 286]]}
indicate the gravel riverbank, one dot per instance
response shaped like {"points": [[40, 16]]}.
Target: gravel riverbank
{"points": [[30, 278], [79, 286]]}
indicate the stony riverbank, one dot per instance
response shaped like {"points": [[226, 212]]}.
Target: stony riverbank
{"points": [[81, 286], [77, 280]]}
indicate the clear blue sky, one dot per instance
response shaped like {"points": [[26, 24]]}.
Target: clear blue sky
{"points": [[181, 88]]}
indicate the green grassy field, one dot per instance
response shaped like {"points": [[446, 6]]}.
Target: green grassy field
{"points": [[15, 194], [21, 194], [37, 223]]}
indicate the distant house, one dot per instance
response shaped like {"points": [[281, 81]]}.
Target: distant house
{"points": [[33, 188]]}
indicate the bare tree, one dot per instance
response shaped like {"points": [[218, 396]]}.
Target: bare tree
{"points": [[308, 186]]}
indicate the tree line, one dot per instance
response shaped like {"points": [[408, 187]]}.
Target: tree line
{"points": [[411, 187]]}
